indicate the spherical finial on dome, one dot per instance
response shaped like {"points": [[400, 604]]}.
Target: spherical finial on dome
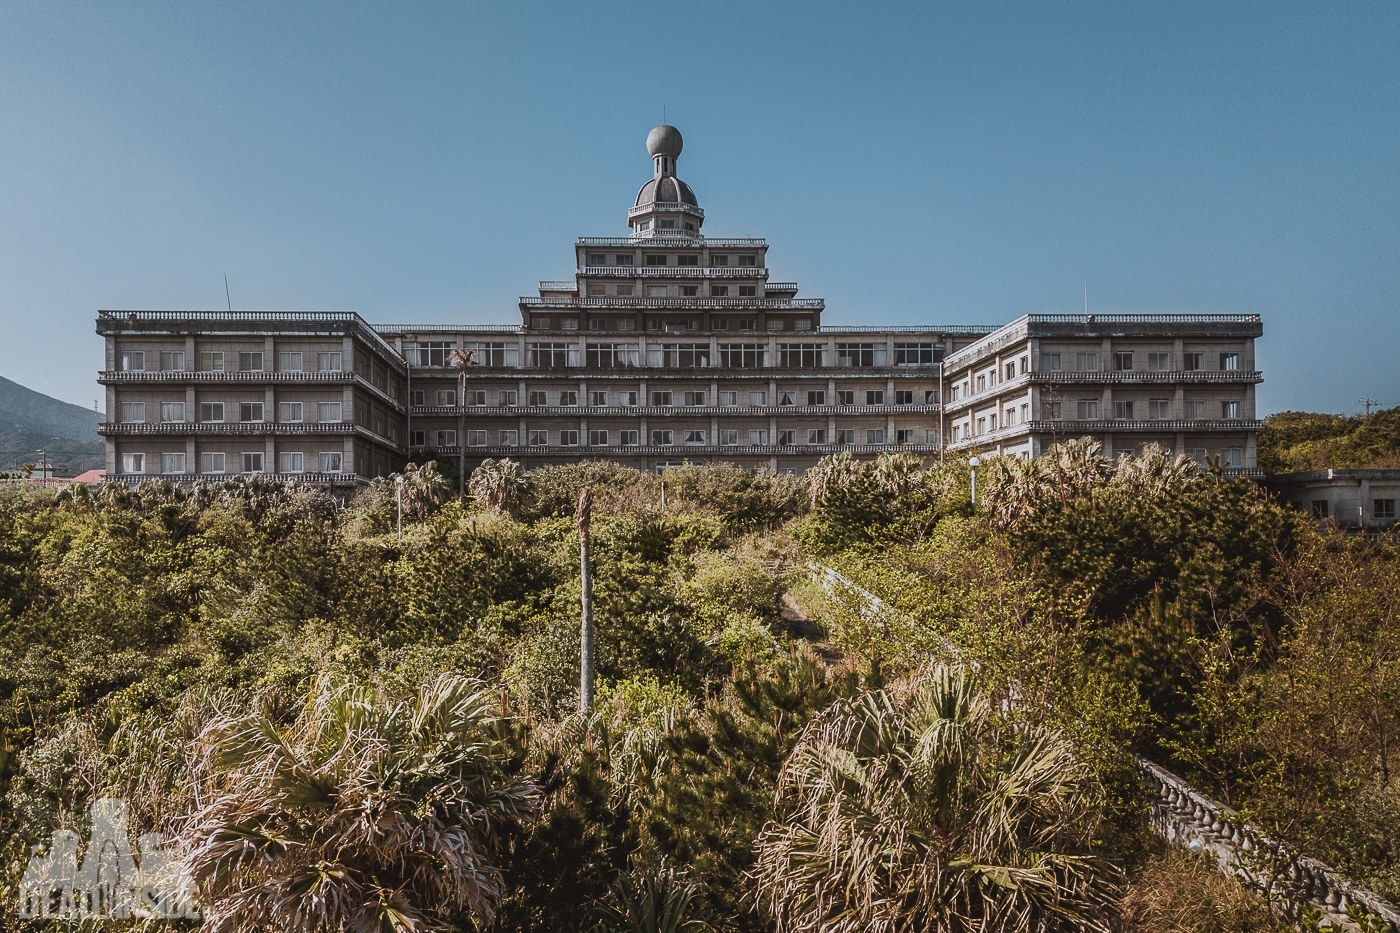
{"points": [[665, 140]]}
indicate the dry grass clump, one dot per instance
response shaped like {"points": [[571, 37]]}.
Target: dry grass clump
{"points": [[1184, 893]]}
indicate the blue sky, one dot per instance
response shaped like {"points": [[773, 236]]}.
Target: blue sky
{"points": [[911, 163]]}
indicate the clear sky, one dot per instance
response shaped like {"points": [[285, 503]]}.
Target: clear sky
{"points": [[917, 163]]}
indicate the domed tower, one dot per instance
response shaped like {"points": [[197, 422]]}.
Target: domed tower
{"points": [[665, 205]]}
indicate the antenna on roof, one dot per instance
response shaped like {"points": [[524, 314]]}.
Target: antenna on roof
{"points": [[663, 113], [226, 295], [1086, 298], [1368, 402]]}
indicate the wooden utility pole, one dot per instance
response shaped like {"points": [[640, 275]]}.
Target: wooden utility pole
{"points": [[583, 516], [462, 358]]}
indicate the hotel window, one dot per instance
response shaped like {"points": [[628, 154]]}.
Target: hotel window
{"points": [[133, 412], [728, 398], [211, 361], [508, 437], [251, 461], [133, 360], [476, 396], [653, 259], [1052, 411], [172, 462], [694, 437], [816, 436], [446, 398], [816, 397], [992, 421], [656, 291], [1229, 361], [625, 259], [290, 412], [629, 437], [660, 438], [690, 291], [1383, 509], [874, 435], [728, 437], [855, 354], [930, 396], [1123, 360], [328, 411], [133, 463], [800, 355], [172, 411], [597, 259], [476, 438], [416, 397], [719, 291], [742, 355], [329, 361], [1197, 455], [568, 437], [538, 397], [290, 461], [597, 438], [786, 398], [845, 435], [1086, 362], [509, 396], [748, 291], [1229, 410], [1050, 362], [1010, 418], [685, 355], [332, 461], [1159, 362], [695, 399], [549, 355], [982, 382], [598, 399], [748, 323], [1318, 508], [1232, 457], [1123, 411], [759, 398], [904, 397], [904, 436], [1087, 409], [1196, 409], [688, 260], [719, 259], [981, 426], [418, 438], [568, 398], [172, 360], [1192, 362], [748, 260], [626, 323], [845, 397], [1159, 409], [629, 398], [875, 397], [568, 323], [913, 354], [211, 462], [1010, 371], [661, 399], [250, 362], [445, 438], [758, 436], [786, 437]]}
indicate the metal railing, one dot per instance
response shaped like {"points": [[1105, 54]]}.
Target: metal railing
{"points": [[313, 478], [559, 285], [674, 207], [694, 304], [707, 241], [1148, 376], [675, 450], [675, 411], [677, 272], [1107, 426], [199, 375]]}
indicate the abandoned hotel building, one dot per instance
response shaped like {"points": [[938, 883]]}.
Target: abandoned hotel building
{"points": [[664, 347]]}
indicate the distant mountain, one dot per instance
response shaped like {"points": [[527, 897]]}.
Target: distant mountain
{"points": [[31, 421]]}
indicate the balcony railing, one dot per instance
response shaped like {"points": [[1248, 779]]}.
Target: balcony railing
{"points": [[670, 411], [691, 304], [1149, 376], [632, 241], [559, 285], [111, 321], [676, 272], [1143, 318], [1107, 426], [677, 450], [187, 375], [316, 478], [665, 206]]}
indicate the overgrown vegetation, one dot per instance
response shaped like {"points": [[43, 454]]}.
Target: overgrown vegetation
{"points": [[1293, 441], [349, 729]]}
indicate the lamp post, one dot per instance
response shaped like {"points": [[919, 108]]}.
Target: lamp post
{"points": [[398, 498], [974, 462]]}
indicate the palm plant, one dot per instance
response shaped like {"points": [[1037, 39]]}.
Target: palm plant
{"points": [[659, 901], [923, 808], [424, 489], [499, 485], [831, 474], [366, 813]]}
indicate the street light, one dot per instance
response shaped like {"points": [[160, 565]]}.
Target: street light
{"points": [[974, 463], [398, 496]]}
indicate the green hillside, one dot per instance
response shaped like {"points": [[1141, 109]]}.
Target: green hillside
{"points": [[31, 421]]}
